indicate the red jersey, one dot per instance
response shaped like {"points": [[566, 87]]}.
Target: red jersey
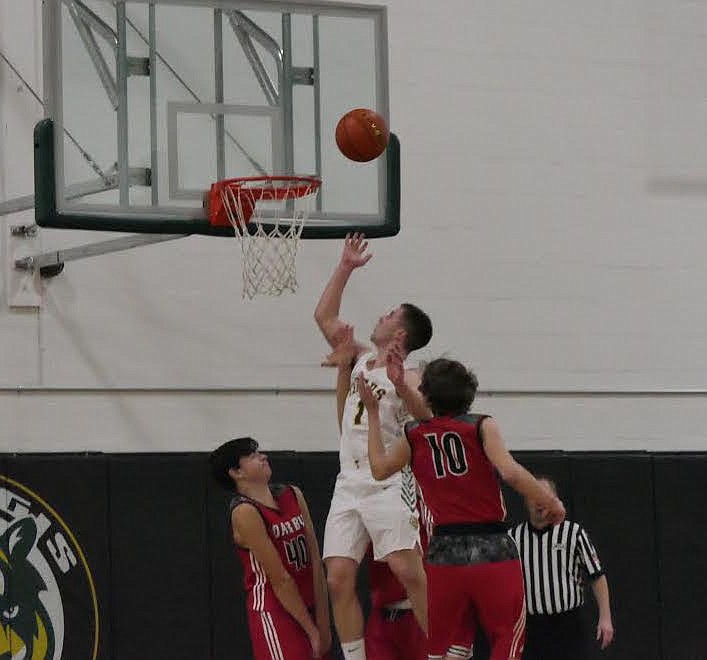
{"points": [[457, 479], [285, 527]]}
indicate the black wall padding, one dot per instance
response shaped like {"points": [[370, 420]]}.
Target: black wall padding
{"points": [[160, 557], [613, 501], [681, 498], [75, 488], [154, 529]]}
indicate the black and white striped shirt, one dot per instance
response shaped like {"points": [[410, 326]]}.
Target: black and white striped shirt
{"points": [[555, 561]]}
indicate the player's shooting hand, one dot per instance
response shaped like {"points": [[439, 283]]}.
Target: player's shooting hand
{"points": [[365, 392], [354, 254], [344, 348], [605, 632]]}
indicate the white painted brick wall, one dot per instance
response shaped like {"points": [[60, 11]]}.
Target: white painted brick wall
{"points": [[554, 224]]}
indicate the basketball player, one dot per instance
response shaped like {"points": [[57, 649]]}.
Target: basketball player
{"points": [[363, 510], [473, 568], [287, 606], [391, 632]]}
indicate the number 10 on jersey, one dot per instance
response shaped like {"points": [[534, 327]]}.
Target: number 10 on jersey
{"points": [[448, 454]]}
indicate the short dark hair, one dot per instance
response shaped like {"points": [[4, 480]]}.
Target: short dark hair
{"points": [[418, 327], [228, 456], [448, 386]]}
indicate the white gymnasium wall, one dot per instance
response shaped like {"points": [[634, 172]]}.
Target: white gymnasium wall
{"points": [[554, 223]]}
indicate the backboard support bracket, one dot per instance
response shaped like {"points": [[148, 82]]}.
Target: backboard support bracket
{"points": [[23, 289], [50, 264], [303, 75], [138, 66]]}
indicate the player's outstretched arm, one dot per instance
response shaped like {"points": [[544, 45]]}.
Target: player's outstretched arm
{"points": [[383, 463], [343, 382], [249, 532], [326, 313], [321, 597], [342, 357], [515, 475]]}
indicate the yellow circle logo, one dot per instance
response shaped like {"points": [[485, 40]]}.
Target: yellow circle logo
{"points": [[48, 605]]}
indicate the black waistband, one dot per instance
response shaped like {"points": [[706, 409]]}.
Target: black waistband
{"points": [[392, 614], [459, 529]]}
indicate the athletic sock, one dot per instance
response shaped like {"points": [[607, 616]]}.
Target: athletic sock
{"points": [[355, 650]]}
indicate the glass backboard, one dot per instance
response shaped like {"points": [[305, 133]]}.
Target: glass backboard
{"points": [[149, 103]]}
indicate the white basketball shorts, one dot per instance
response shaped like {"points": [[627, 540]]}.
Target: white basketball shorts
{"points": [[363, 512]]}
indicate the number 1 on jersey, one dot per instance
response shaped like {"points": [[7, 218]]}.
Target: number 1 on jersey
{"points": [[359, 412]]}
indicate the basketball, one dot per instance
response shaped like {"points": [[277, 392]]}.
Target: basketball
{"points": [[362, 135]]}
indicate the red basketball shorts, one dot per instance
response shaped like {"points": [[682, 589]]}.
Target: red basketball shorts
{"points": [[399, 637], [394, 636], [489, 595]]}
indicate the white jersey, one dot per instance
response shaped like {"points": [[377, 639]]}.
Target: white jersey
{"points": [[353, 452]]}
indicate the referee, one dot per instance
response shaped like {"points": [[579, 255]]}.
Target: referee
{"points": [[556, 559]]}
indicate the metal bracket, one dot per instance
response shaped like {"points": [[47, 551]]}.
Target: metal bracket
{"points": [[23, 288], [88, 24], [303, 75], [49, 264], [246, 30], [24, 231], [138, 66]]}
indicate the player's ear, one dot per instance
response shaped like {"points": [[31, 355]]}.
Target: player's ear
{"points": [[400, 336], [234, 473]]}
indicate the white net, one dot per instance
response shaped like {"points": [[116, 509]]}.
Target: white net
{"points": [[268, 215]]}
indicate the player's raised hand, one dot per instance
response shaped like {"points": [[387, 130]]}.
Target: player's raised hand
{"points": [[556, 512], [369, 399], [344, 348], [354, 254], [394, 365]]}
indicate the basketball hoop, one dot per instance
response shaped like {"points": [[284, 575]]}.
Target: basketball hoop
{"points": [[267, 214]]}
